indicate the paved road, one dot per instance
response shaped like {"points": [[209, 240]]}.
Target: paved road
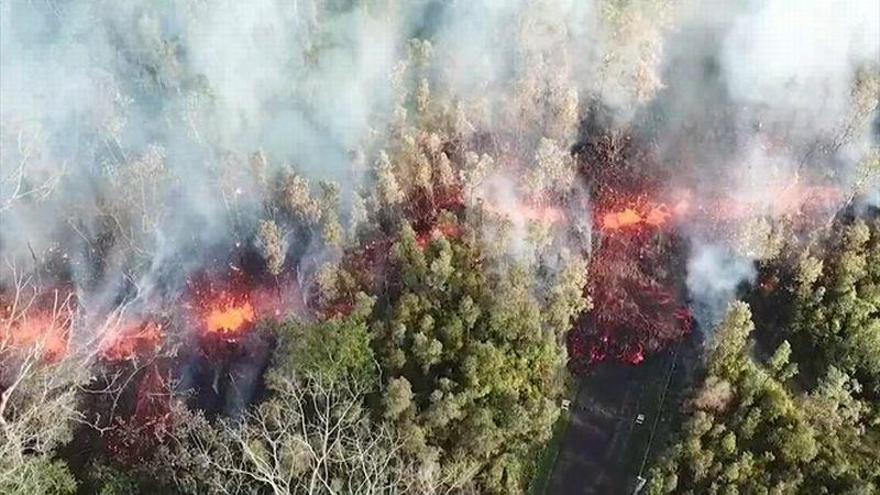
{"points": [[591, 457], [603, 447]]}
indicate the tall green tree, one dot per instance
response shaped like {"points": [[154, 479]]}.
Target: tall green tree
{"points": [[473, 357]]}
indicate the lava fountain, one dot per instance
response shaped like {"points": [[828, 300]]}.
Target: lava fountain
{"points": [[229, 317]]}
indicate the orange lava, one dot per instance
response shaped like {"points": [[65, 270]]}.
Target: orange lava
{"points": [[621, 219], [46, 331], [131, 341], [658, 215], [654, 215], [790, 200], [229, 317]]}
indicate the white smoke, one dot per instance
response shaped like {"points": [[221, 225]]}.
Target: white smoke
{"points": [[745, 90], [798, 57], [761, 98], [714, 276]]}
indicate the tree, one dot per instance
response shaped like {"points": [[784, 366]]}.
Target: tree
{"points": [[749, 430], [46, 360], [313, 434], [274, 247], [837, 303], [475, 361]]}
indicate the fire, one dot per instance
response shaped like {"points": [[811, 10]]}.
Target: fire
{"points": [[229, 317]]}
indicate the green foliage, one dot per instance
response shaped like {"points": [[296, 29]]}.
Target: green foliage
{"points": [[115, 482], [334, 349], [39, 476], [837, 306], [752, 429], [474, 358]]}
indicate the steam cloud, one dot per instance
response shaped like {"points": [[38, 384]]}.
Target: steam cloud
{"points": [[97, 94]]}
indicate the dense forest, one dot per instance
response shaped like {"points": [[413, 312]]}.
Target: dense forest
{"points": [[789, 401], [361, 247]]}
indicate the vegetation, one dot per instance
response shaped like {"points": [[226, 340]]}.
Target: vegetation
{"points": [[388, 304], [803, 418]]}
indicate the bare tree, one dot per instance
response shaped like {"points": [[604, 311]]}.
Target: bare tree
{"points": [[38, 379], [17, 182], [48, 356], [311, 437]]}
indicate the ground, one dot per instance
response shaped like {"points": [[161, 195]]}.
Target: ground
{"points": [[602, 449]]}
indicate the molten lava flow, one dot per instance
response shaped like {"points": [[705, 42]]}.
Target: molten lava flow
{"points": [[621, 219], [638, 307], [229, 317], [658, 215], [133, 340], [46, 332], [638, 214], [779, 201]]}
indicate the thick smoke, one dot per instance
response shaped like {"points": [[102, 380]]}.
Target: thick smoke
{"points": [[112, 111], [145, 113], [797, 59], [763, 99], [152, 108]]}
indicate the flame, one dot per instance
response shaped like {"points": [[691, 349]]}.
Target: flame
{"points": [[229, 317]]}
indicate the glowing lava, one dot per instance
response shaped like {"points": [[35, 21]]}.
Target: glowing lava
{"points": [[651, 214], [229, 317], [621, 219], [131, 341], [47, 333]]}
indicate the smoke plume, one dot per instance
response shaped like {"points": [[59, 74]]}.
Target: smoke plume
{"points": [[144, 115]]}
